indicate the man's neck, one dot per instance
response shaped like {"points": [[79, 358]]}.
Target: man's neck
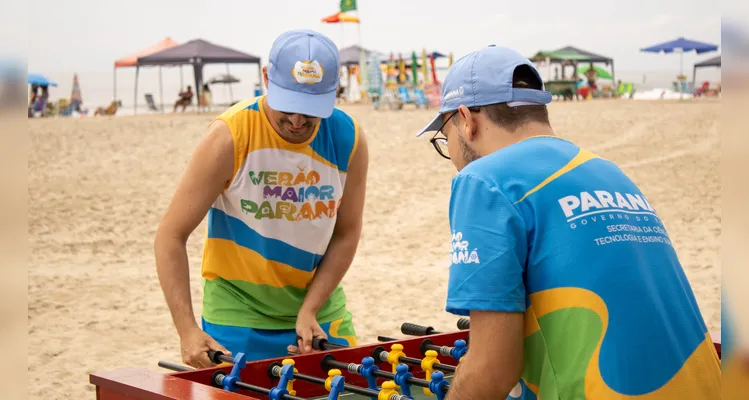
{"points": [[506, 138]]}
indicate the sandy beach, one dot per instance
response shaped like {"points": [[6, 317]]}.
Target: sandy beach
{"points": [[98, 187]]}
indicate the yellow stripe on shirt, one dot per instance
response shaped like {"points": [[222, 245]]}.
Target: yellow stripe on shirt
{"points": [[242, 264]]}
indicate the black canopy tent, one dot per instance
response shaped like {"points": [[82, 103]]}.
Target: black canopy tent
{"points": [[711, 62], [197, 53], [351, 55]]}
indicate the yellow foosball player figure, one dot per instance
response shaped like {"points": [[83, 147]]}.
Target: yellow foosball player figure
{"points": [[568, 273], [282, 180]]}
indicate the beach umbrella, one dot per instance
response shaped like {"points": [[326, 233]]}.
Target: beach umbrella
{"points": [[75, 94], [37, 79], [602, 73], [224, 78], [340, 17], [434, 69], [401, 69], [424, 66], [682, 46], [414, 68]]}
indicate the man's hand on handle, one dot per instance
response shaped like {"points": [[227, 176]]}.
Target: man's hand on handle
{"points": [[307, 328], [195, 345]]}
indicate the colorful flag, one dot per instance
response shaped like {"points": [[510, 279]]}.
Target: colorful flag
{"points": [[348, 5]]}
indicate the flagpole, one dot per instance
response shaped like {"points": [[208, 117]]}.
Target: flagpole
{"points": [[362, 53]]}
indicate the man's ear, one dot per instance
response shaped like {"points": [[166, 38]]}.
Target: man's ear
{"points": [[265, 75], [467, 124]]}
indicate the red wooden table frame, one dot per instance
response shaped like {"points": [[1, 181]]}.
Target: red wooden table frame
{"points": [[144, 384], [195, 385]]}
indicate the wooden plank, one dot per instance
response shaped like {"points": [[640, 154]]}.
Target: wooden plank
{"points": [[150, 385]]}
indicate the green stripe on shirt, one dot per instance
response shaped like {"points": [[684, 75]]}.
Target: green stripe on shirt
{"points": [[245, 304]]}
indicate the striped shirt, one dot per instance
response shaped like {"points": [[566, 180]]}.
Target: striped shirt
{"points": [[270, 227]]}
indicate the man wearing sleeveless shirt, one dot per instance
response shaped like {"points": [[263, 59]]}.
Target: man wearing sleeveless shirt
{"points": [[282, 180]]}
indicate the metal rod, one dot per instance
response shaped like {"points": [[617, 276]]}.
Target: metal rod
{"points": [[257, 389], [175, 367], [351, 388], [382, 374]]}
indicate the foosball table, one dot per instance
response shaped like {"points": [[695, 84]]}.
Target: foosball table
{"points": [[416, 368]]}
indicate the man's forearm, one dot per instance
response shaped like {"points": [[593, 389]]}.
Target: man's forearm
{"points": [[474, 382], [174, 275], [330, 272]]}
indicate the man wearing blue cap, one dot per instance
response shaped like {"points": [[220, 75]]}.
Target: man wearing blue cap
{"points": [[566, 270], [282, 179]]}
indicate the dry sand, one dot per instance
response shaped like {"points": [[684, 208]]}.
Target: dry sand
{"points": [[98, 186]]}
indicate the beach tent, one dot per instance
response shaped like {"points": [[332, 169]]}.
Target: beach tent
{"points": [[197, 53], [352, 54], [132, 61], [570, 55], [712, 62]]}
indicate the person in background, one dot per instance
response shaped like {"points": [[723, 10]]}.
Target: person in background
{"points": [[185, 99], [205, 98]]}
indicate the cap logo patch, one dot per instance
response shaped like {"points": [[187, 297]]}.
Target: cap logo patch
{"points": [[308, 72], [454, 93]]}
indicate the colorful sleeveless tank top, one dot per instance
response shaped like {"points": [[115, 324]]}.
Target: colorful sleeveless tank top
{"points": [[270, 227]]}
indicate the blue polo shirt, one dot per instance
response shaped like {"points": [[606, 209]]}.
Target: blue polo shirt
{"points": [[549, 229]]}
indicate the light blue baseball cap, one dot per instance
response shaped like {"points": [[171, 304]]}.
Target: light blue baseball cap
{"points": [[303, 73], [486, 77]]}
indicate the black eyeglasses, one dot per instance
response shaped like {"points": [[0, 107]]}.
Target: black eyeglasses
{"points": [[440, 143]]}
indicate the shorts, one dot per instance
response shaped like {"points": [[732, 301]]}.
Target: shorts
{"points": [[260, 344]]}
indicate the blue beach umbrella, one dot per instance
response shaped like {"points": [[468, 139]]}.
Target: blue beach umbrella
{"points": [[683, 46], [36, 79]]}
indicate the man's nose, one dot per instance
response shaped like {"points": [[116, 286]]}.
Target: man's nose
{"points": [[297, 120]]}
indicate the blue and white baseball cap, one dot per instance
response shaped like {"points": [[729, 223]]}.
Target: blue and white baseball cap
{"points": [[303, 73], [486, 77]]}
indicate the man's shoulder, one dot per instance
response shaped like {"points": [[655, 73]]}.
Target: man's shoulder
{"points": [[339, 119], [341, 126], [241, 108], [523, 167]]}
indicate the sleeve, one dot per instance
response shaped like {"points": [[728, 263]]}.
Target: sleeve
{"points": [[488, 250]]}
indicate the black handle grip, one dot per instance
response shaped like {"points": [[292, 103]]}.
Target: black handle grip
{"points": [[416, 330], [386, 339], [319, 343], [464, 323], [215, 356]]}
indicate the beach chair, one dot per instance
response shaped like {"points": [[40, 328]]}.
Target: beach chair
{"points": [[392, 98], [420, 98], [150, 102], [403, 93], [64, 109], [625, 90]]}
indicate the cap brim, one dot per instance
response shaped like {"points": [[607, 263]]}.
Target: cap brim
{"points": [[433, 126], [289, 101]]}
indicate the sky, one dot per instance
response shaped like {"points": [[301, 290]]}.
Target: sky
{"points": [[86, 36]]}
